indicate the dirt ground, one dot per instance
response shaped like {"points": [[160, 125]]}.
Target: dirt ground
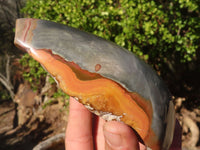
{"points": [[51, 121]]}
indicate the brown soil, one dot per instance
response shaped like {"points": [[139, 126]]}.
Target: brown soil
{"points": [[50, 121]]}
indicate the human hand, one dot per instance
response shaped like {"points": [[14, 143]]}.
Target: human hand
{"points": [[87, 132]]}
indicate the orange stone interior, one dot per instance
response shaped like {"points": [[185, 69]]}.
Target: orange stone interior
{"points": [[100, 93]]}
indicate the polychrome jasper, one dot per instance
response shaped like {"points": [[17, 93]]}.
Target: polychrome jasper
{"points": [[109, 80]]}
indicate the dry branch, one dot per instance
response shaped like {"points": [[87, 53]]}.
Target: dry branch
{"points": [[5, 80]]}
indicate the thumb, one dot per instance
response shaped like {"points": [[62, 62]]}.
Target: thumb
{"points": [[119, 136]]}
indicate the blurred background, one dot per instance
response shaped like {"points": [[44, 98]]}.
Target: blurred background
{"points": [[165, 34]]}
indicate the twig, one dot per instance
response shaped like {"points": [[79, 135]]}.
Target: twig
{"points": [[7, 85], [5, 80], [8, 68]]}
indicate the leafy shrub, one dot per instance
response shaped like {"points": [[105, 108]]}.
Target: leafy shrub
{"points": [[33, 72], [161, 32]]}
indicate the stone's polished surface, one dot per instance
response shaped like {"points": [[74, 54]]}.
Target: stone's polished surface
{"points": [[109, 80]]}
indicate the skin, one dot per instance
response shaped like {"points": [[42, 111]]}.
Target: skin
{"points": [[86, 131]]}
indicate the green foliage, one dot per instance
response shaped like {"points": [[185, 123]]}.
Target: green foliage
{"points": [[62, 96], [57, 95], [33, 72], [48, 103], [60, 93], [158, 31], [65, 97]]}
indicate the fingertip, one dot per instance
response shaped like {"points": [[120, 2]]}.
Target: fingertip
{"points": [[117, 127], [79, 128], [120, 136], [73, 103]]}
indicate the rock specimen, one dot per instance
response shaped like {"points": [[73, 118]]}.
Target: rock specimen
{"points": [[109, 80]]}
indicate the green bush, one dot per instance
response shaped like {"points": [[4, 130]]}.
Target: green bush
{"points": [[161, 32], [33, 72]]}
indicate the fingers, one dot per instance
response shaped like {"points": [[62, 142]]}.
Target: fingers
{"points": [[79, 132], [98, 135], [119, 136], [79, 128]]}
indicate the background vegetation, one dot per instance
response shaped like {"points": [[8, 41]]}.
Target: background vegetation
{"points": [[162, 32]]}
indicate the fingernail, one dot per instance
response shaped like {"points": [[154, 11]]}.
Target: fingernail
{"points": [[113, 140]]}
